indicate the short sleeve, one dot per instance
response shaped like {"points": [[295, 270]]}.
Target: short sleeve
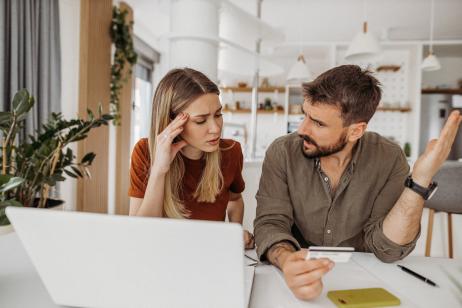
{"points": [[139, 169], [237, 185]]}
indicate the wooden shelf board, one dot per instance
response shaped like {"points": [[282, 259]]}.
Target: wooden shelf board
{"points": [[258, 111], [442, 91], [399, 109], [384, 68], [247, 89]]}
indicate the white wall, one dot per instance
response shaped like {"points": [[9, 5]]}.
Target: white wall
{"points": [[69, 18], [447, 76]]}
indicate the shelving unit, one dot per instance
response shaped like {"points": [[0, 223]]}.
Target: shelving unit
{"points": [[248, 89], [237, 121], [398, 117], [442, 91], [393, 109], [244, 111]]}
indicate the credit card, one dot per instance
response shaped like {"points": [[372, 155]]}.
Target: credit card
{"points": [[336, 254]]}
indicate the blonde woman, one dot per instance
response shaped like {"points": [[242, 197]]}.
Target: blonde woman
{"points": [[185, 170]]}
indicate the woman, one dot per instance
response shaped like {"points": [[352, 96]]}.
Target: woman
{"points": [[185, 170]]}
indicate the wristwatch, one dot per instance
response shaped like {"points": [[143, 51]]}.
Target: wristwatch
{"points": [[426, 193]]}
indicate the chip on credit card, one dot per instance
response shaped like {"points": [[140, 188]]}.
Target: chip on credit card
{"points": [[336, 254]]}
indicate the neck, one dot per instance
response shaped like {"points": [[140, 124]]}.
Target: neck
{"points": [[342, 158], [191, 152]]}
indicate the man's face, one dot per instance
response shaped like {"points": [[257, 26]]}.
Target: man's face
{"points": [[322, 130]]}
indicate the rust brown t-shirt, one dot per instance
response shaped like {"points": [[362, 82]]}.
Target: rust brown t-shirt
{"points": [[231, 168]]}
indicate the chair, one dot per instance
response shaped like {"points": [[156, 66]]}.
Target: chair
{"points": [[448, 199]]}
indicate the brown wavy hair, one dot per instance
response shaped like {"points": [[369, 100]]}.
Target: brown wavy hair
{"points": [[178, 89]]}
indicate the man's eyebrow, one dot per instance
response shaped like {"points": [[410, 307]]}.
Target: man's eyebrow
{"points": [[311, 118], [319, 121], [206, 114]]}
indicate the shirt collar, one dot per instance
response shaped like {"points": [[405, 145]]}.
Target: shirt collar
{"points": [[354, 158]]}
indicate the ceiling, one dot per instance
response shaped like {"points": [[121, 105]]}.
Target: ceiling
{"points": [[339, 20], [331, 20]]}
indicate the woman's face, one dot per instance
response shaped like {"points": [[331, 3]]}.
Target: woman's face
{"points": [[202, 131]]}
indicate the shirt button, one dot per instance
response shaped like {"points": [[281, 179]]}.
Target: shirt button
{"points": [[328, 231]]}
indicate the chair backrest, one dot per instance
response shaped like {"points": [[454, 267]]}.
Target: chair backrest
{"points": [[448, 197]]}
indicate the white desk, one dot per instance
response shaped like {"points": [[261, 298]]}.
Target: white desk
{"points": [[21, 287], [365, 271]]}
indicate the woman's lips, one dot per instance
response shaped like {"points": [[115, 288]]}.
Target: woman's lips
{"points": [[214, 141]]}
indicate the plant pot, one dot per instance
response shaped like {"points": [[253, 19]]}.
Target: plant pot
{"points": [[54, 204]]}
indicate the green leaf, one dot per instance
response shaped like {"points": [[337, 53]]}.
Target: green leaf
{"points": [[79, 138], [107, 117], [22, 102], [3, 219], [72, 175], [87, 172], [5, 118], [100, 110], [90, 115], [77, 171], [10, 183], [58, 178], [88, 158]]}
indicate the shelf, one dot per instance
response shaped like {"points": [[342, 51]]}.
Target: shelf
{"points": [[258, 111], [392, 68], [383, 109], [442, 91], [247, 89], [394, 109]]}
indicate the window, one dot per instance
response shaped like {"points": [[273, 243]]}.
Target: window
{"points": [[142, 91]]}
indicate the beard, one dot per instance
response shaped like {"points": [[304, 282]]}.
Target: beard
{"points": [[322, 151]]}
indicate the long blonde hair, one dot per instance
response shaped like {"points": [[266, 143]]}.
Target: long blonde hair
{"points": [[174, 93]]}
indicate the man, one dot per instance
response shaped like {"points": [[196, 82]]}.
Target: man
{"points": [[333, 184]]}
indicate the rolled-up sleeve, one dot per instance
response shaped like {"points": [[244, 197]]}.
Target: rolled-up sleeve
{"points": [[374, 238], [274, 217]]}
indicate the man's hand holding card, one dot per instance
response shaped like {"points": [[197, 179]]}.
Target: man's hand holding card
{"points": [[335, 254]]}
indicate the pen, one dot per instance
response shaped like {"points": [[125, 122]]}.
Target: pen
{"points": [[424, 279], [245, 255]]}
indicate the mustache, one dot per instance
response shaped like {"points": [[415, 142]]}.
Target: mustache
{"points": [[308, 139]]}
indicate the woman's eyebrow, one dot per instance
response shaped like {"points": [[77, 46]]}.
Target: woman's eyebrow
{"points": [[206, 114]]}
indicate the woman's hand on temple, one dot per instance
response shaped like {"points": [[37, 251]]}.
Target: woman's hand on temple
{"points": [[166, 150]]}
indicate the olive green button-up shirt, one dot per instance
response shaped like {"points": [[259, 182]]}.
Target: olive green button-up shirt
{"points": [[295, 202]]}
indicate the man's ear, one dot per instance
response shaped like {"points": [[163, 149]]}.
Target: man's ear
{"points": [[356, 131]]}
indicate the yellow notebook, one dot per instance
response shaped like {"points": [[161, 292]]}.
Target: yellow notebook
{"points": [[363, 298]]}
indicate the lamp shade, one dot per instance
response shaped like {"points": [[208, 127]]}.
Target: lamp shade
{"points": [[363, 46], [430, 63], [299, 71]]}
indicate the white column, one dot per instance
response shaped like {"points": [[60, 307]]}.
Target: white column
{"points": [[194, 29]]}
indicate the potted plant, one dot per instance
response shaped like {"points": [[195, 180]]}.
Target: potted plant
{"points": [[33, 165]]}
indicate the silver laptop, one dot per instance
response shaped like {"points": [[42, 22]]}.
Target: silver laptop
{"points": [[96, 260]]}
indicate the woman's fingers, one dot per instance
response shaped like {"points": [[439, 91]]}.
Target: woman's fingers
{"points": [[173, 129], [179, 121]]}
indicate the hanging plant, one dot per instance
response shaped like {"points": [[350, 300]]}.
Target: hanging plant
{"points": [[124, 52]]}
